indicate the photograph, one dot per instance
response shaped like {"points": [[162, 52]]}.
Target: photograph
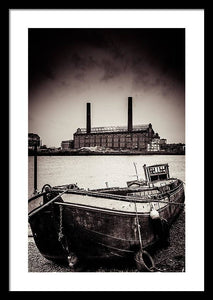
{"points": [[106, 111], [106, 148]]}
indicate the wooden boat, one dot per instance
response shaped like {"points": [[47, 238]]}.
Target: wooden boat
{"points": [[69, 223]]}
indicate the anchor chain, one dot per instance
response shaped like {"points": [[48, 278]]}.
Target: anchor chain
{"points": [[71, 257], [60, 234]]}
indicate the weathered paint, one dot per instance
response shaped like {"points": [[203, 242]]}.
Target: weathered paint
{"points": [[96, 231]]}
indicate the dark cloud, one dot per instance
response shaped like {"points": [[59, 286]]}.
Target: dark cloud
{"points": [[110, 70], [141, 52]]}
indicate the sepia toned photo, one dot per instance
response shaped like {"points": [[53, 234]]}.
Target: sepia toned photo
{"points": [[106, 150], [106, 158]]}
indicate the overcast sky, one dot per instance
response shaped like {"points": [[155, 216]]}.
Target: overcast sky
{"points": [[70, 67]]}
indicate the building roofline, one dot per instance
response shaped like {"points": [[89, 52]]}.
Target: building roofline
{"points": [[113, 129]]}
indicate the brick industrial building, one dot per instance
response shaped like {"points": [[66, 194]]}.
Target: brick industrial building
{"points": [[66, 145], [133, 137]]}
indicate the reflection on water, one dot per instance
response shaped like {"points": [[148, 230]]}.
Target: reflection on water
{"points": [[97, 171]]}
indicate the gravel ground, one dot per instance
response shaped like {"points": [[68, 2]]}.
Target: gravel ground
{"points": [[170, 259]]}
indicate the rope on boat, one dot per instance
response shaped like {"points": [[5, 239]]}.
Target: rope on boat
{"points": [[139, 257], [138, 225]]}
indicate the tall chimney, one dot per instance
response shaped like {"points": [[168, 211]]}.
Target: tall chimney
{"points": [[88, 118], [129, 113]]}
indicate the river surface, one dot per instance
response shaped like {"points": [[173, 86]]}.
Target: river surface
{"points": [[97, 171]]}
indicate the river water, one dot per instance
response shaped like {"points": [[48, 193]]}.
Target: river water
{"points": [[97, 171]]}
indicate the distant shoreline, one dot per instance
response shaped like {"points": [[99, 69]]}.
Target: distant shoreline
{"points": [[87, 153]]}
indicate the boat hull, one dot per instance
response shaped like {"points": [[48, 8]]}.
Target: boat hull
{"points": [[93, 232]]}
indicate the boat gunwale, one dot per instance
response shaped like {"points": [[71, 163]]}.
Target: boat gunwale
{"points": [[116, 211], [106, 210], [135, 199], [129, 198]]}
